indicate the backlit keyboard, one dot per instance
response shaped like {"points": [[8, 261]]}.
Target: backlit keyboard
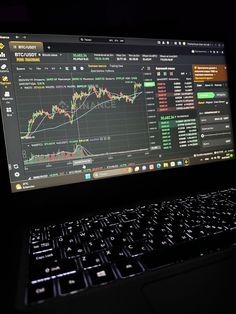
{"points": [[77, 255]]}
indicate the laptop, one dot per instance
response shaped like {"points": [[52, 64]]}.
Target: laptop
{"points": [[120, 153]]}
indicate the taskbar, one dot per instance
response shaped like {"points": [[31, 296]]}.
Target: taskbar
{"points": [[87, 175]]}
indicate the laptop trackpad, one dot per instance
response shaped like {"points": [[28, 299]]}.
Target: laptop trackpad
{"points": [[209, 289]]}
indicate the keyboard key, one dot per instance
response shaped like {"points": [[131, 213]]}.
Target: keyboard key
{"points": [[136, 248], [177, 237], [72, 283], [114, 254], [94, 224], [107, 232], [74, 250], [111, 220], [87, 236], [197, 232], [82, 236], [36, 237], [67, 266], [91, 260], [158, 231], [232, 225], [145, 222], [40, 291], [37, 234], [49, 270], [158, 243], [48, 256], [128, 267], [73, 227], [55, 231], [97, 245], [101, 275], [37, 230], [66, 240], [129, 216], [127, 226], [41, 247], [138, 234], [118, 240]]}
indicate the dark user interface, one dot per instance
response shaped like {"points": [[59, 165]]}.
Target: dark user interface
{"points": [[78, 108]]}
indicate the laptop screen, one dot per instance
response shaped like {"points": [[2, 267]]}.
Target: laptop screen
{"points": [[79, 108]]}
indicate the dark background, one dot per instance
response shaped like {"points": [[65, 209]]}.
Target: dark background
{"points": [[159, 19], [140, 18]]}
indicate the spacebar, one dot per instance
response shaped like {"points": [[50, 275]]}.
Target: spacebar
{"points": [[187, 250], [163, 257]]}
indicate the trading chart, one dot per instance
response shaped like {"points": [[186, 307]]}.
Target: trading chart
{"points": [[69, 117]]}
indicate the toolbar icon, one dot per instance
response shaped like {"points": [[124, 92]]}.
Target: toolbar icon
{"points": [[87, 176], [186, 162], [4, 78], [3, 66], [7, 94], [18, 186], [179, 163], [1, 46]]}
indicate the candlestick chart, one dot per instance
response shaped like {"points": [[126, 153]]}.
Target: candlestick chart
{"points": [[100, 118]]}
